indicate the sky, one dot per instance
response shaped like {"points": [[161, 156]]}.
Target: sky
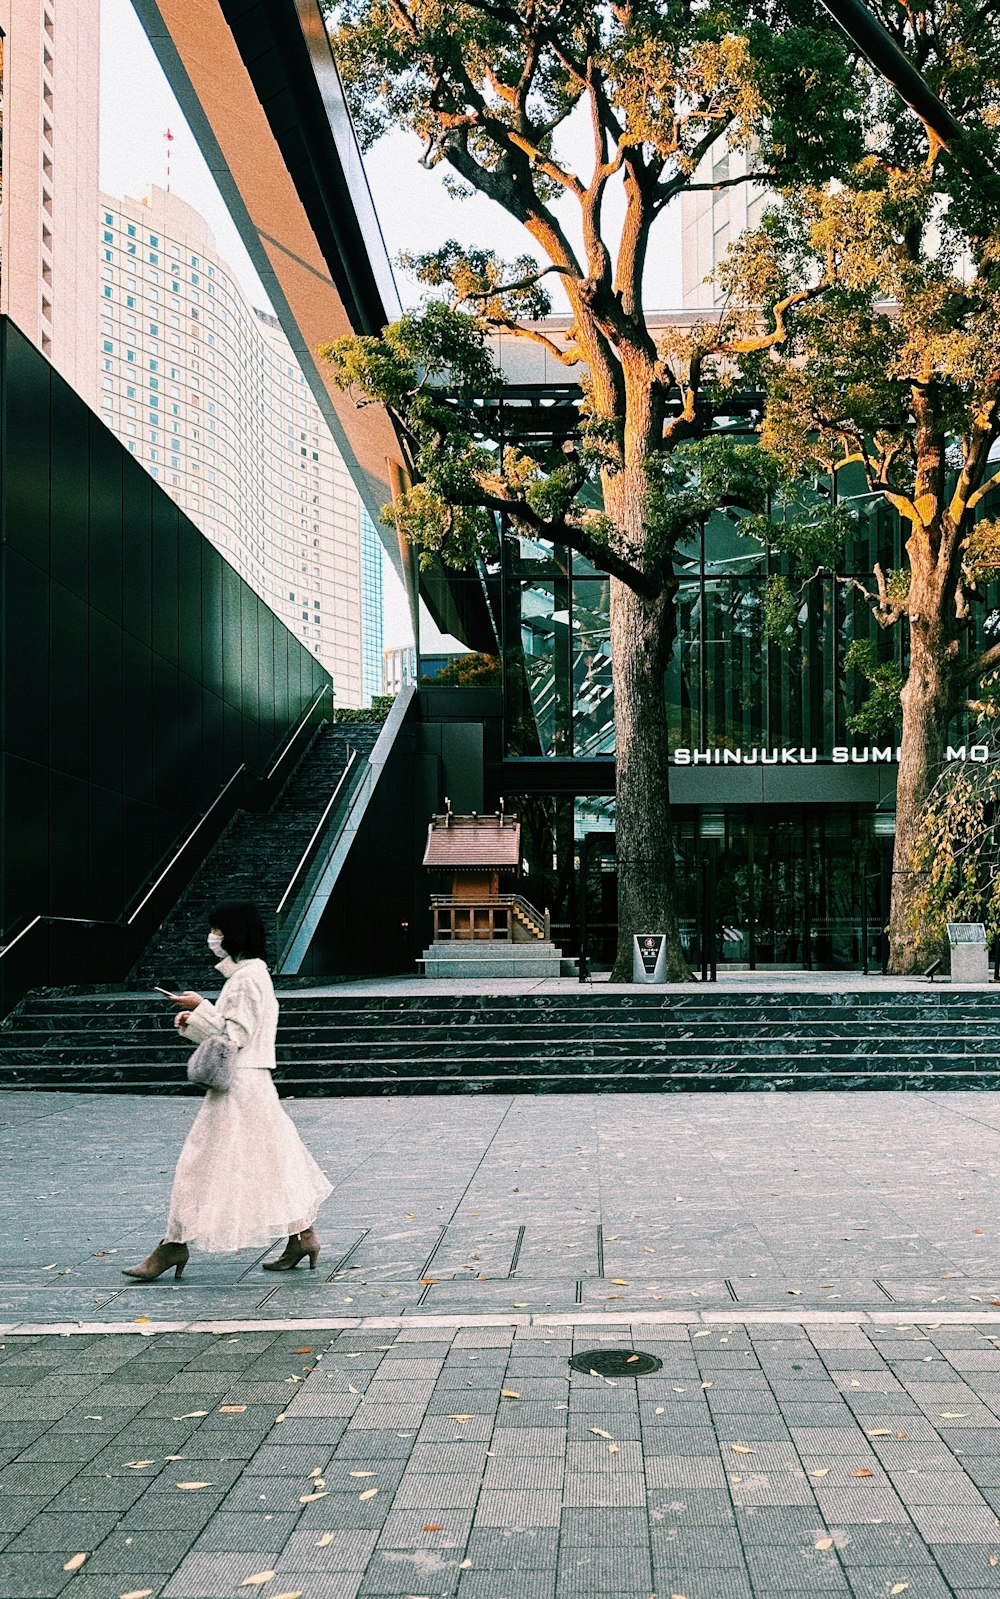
{"points": [[416, 212]]}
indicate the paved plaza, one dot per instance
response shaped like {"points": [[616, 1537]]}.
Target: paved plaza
{"points": [[818, 1274]]}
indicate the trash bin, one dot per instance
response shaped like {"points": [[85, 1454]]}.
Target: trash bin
{"points": [[970, 960], [649, 958]]}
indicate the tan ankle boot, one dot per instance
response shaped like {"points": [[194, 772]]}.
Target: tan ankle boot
{"points": [[297, 1248], [163, 1257]]}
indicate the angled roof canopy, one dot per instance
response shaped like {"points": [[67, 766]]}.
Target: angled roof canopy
{"points": [[258, 84]]}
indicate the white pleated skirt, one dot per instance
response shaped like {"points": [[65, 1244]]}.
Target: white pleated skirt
{"points": [[244, 1177]]}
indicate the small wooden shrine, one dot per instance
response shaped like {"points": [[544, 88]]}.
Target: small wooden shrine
{"points": [[477, 852]]}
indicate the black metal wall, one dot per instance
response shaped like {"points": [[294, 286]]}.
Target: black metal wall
{"points": [[138, 670]]}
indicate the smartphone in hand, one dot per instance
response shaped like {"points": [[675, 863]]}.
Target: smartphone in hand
{"points": [[169, 992]]}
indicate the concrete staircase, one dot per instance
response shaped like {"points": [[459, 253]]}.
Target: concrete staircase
{"points": [[577, 1041], [253, 861], [466, 957]]}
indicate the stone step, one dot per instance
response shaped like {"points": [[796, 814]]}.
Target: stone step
{"points": [[143, 1044], [564, 1042]]}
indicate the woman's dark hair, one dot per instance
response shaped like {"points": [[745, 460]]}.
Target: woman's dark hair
{"points": [[242, 929]]}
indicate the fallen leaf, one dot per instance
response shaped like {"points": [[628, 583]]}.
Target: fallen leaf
{"points": [[317, 1471], [189, 1414], [620, 1282], [139, 1465], [432, 1526], [902, 1435], [823, 1543], [879, 1432], [137, 1593], [518, 1304], [362, 1474], [952, 1415], [821, 1471], [191, 1487], [862, 1471], [369, 1493], [465, 1565], [459, 1418], [258, 1579], [308, 1499], [296, 1595], [323, 1539], [600, 1432], [740, 1449], [660, 1410], [899, 1587], [509, 1393], [612, 1449], [428, 1282], [231, 1410], [74, 1563], [706, 1332], [305, 1350]]}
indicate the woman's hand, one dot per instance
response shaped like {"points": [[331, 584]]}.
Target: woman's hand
{"points": [[186, 1001], [182, 1018]]}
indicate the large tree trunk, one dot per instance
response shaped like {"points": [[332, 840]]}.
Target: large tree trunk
{"points": [[925, 718], [641, 637]]}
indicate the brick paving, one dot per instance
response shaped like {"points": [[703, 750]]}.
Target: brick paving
{"points": [[816, 1273], [759, 1462]]}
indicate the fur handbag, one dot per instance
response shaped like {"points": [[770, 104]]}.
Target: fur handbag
{"points": [[211, 1066]]}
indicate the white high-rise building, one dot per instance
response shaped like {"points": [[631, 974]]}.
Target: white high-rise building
{"points": [[713, 219], [204, 389], [49, 60]]}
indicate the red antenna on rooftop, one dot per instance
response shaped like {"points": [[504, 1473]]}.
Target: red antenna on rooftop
{"points": [[169, 139]]}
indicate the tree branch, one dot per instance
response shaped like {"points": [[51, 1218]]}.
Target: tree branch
{"points": [[989, 661], [575, 538], [512, 288]]}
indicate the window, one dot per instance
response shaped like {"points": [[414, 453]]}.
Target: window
{"points": [[109, 255], [131, 230], [130, 391], [131, 249], [153, 329], [107, 294], [154, 259], [130, 300], [130, 355], [153, 365], [108, 346], [154, 239], [109, 219]]}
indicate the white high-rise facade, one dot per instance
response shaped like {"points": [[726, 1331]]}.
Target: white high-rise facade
{"points": [[204, 389], [713, 219], [49, 76]]}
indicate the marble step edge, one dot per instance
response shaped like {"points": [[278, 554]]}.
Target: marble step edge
{"points": [[344, 1087]]}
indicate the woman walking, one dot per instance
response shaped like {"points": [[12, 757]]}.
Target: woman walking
{"points": [[244, 1175]]}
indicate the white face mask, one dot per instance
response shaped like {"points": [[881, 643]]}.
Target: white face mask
{"points": [[215, 944]]}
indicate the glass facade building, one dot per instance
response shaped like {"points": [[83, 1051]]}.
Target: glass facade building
{"points": [[776, 794]]}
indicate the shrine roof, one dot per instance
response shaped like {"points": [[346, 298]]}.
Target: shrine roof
{"points": [[474, 842]]}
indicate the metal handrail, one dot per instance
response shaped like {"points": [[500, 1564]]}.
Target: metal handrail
{"points": [[239, 776], [308, 853], [129, 918]]}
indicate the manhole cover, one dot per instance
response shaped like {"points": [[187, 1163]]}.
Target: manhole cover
{"points": [[616, 1362]]}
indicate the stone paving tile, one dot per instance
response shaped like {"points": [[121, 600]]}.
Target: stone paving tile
{"points": [[528, 1490]]}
